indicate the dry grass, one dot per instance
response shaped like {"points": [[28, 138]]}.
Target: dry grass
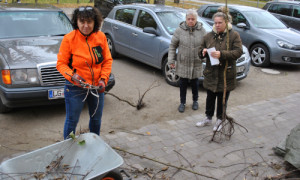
{"points": [[183, 4]]}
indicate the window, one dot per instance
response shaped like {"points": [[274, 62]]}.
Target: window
{"points": [[296, 12], [285, 9], [210, 11], [145, 20], [237, 17], [33, 23], [264, 20], [273, 8], [125, 15]]}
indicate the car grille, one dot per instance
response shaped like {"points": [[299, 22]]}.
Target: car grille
{"points": [[50, 76]]}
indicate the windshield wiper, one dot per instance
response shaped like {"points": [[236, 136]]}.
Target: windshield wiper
{"points": [[57, 34]]}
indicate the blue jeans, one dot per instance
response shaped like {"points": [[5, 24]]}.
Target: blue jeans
{"points": [[74, 100]]}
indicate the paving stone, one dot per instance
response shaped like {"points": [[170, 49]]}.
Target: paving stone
{"points": [[268, 122], [172, 122], [182, 121], [156, 145], [111, 136]]}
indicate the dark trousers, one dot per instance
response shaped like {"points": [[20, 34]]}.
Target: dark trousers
{"points": [[183, 88], [211, 101]]}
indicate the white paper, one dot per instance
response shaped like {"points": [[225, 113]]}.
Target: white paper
{"points": [[213, 61]]}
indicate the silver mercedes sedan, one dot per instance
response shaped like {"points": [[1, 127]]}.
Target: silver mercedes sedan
{"points": [[143, 32], [30, 37]]}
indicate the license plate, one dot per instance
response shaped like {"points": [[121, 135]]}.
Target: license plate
{"points": [[240, 69], [56, 94]]}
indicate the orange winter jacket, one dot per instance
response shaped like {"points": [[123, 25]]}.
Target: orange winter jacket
{"points": [[82, 54]]}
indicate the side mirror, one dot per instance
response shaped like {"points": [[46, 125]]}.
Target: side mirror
{"points": [[242, 25], [151, 30]]}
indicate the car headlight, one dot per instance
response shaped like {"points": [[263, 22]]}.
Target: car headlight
{"points": [[285, 44], [24, 76], [245, 55]]}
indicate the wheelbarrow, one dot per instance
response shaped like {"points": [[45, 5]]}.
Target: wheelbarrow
{"points": [[85, 157]]}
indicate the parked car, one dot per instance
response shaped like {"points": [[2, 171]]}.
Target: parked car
{"points": [[266, 37], [144, 32], [30, 38], [286, 11], [105, 6]]}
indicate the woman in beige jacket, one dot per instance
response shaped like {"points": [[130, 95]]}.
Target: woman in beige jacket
{"points": [[187, 39]]}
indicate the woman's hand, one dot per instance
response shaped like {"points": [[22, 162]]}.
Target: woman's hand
{"points": [[172, 66], [101, 86], [77, 80], [216, 54], [204, 51]]}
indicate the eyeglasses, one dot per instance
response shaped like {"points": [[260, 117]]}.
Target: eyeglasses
{"points": [[88, 8]]}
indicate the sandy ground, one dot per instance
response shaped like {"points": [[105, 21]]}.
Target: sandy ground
{"points": [[27, 129]]}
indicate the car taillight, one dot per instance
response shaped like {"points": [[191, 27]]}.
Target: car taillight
{"points": [[6, 76]]}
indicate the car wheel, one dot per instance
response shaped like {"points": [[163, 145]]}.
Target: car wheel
{"points": [[113, 175], [111, 46], [260, 55], [170, 74], [3, 108]]}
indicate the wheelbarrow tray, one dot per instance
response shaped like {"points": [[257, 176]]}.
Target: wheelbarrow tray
{"points": [[66, 159]]}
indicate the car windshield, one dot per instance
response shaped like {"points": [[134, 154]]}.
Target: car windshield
{"points": [[32, 24], [172, 19], [264, 20]]}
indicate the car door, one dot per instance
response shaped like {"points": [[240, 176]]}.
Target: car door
{"points": [[238, 17], [122, 30], [145, 46]]}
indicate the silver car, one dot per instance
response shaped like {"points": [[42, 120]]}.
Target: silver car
{"points": [[30, 37], [144, 31], [266, 37]]}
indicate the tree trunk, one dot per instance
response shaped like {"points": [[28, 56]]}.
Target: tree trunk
{"points": [[159, 2], [91, 1], [77, 1]]}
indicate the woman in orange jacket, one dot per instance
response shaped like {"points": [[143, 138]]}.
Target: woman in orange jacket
{"points": [[84, 56]]}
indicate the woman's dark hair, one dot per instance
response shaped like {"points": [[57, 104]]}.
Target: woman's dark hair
{"points": [[87, 13]]}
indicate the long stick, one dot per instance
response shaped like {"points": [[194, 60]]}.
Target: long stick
{"points": [[166, 164], [226, 65]]}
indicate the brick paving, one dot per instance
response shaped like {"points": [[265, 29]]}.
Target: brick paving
{"points": [[180, 143]]}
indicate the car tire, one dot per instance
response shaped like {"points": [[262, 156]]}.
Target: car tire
{"points": [[113, 175], [170, 74], [3, 108], [260, 55], [111, 46]]}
